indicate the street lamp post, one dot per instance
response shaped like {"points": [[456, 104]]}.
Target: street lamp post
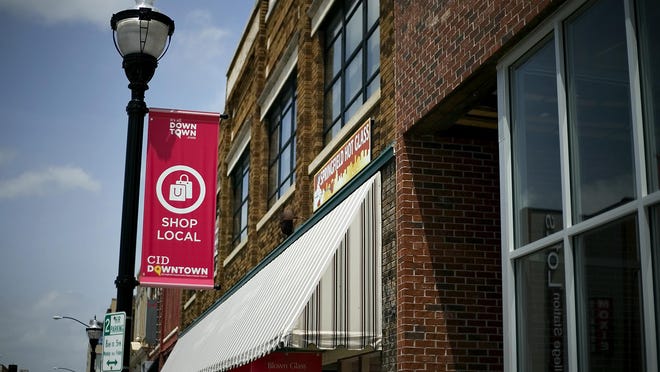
{"points": [[141, 36], [93, 329]]}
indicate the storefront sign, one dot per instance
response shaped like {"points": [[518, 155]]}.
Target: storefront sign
{"points": [[347, 162], [179, 199], [284, 362]]}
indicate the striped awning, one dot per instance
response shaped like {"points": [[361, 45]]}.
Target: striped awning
{"points": [[322, 291]]}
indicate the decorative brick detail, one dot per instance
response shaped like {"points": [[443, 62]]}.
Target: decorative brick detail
{"points": [[449, 303]]}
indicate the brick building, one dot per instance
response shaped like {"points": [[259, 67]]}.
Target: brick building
{"points": [[505, 218]]}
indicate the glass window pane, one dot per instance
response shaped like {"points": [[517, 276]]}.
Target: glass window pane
{"points": [[655, 247], [286, 126], [542, 311], [245, 187], [608, 276], [334, 27], [354, 78], [353, 109], [599, 109], [354, 31], [535, 126], [332, 131], [373, 12], [244, 221], [274, 146], [373, 87], [333, 102], [273, 179], [333, 60], [373, 53], [649, 55], [285, 163]]}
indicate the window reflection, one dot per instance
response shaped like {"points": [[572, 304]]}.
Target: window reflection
{"points": [[608, 273], [649, 54], [536, 145], [542, 311], [599, 109]]}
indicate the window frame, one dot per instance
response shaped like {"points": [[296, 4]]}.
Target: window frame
{"points": [[340, 15], [641, 206], [242, 169], [285, 104]]}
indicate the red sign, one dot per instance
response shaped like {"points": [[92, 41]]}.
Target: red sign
{"points": [[179, 199], [345, 164], [284, 362]]}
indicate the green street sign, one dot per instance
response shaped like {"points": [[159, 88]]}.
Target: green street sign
{"points": [[114, 330]]}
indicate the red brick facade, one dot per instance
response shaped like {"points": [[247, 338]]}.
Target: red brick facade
{"points": [[449, 286], [445, 44], [449, 282]]}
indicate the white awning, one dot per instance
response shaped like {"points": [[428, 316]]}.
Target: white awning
{"points": [[285, 304]]}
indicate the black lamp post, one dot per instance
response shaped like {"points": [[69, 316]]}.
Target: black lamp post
{"points": [[141, 36], [94, 334], [94, 329]]}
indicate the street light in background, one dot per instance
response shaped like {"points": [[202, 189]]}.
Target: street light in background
{"points": [[93, 329], [142, 36]]}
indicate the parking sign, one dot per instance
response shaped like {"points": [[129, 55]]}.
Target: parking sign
{"points": [[114, 330]]}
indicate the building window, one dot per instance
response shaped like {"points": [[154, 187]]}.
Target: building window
{"points": [[352, 61], [581, 194], [282, 143], [240, 181]]}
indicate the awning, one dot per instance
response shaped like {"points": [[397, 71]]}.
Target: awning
{"points": [[304, 296]]}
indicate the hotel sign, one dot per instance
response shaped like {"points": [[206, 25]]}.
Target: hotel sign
{"points": [[344, 164]]}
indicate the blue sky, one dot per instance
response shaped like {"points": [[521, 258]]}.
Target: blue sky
{"points": [[62, 150]]}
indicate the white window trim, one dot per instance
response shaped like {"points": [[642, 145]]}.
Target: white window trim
{"points": [[280, 76], [240, 57], [639, 207], [271, 5], [190, 301], [317, 12], [241, 142], [276, 206], [234, 252]]}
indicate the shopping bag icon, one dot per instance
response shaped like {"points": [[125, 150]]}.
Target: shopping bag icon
{"points": [[182, 189]]}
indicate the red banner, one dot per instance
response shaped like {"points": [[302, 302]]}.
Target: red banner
{"points": [[179, 199]]}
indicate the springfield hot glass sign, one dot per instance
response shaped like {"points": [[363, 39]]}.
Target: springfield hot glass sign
{"points": [[179, 199], [344, 164]]}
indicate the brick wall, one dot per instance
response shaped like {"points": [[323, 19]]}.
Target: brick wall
{"points": [[389, 262], [442, 43], [449, 303]]}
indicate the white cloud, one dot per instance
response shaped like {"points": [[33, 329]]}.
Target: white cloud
{"points": [[53, 179], [97, 12], [201, 40], [200, 49]]}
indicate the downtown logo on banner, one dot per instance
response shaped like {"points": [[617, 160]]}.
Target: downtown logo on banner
{"points": [[180, 199]]}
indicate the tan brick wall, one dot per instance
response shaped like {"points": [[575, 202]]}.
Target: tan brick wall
{"points": [[289, 18]]}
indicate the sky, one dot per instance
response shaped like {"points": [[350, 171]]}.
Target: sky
{"points": [[63, 97]]}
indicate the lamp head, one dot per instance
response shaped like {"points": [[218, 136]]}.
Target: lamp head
{"points": [[94, 330], [142, 30]]}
